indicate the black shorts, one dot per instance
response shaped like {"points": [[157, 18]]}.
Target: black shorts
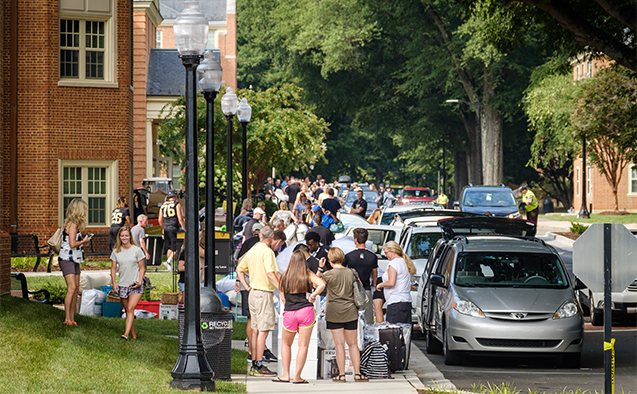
{"points": [[245, 307], [350, 325], [399, 312], [170, 238], [112, 236], [378, 295]]}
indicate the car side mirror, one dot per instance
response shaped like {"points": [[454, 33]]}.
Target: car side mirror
{"points": [[437, 280], [579, 285], [456, 204]]}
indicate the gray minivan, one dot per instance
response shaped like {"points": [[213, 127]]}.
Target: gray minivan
{"points": [[493, 289]]}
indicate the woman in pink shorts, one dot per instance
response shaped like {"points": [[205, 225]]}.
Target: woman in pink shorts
{"points": [[298, 315]]}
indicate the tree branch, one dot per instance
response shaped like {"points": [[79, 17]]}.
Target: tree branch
{"points": [[627, 16]]}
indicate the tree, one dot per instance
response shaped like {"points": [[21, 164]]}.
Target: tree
{"points": [[607, 26], [282, 133], [606, 114]]}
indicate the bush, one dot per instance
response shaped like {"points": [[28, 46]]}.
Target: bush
{"points": [[23, 262], [578, 228], [57, 292]]}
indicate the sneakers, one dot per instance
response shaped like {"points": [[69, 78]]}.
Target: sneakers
{"points": [[168, 265], [249, 358], [261, 371], [269, 357]]}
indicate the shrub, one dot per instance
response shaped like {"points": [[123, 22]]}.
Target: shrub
{"points": [[578, 228], [57, 292]]}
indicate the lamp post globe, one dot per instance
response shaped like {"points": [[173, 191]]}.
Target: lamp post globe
{"points": [[192, 370], [244, 113], [229, 103], [210, 72], [191, 30]]}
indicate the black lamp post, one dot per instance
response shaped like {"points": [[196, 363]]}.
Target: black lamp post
{"points": [[229, 108], [477, 107], [192, 371], [244, 112], [583, 213], [210, 71]]}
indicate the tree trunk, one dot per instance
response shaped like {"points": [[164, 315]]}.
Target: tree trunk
{"points": [[460, 176], [492, 125], [472, 154]]}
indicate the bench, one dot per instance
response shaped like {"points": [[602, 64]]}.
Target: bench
{"points": [[98, 246], [29, 246], [19, 288]]}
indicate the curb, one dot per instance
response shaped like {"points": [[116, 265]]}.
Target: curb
{"points": [[557, 237]]}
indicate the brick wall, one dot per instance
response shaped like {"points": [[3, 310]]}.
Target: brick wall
{"points": [[601, 196], [5, 241]]}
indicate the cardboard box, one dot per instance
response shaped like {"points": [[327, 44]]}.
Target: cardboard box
{"points": [[329, 368], [168, 312]]}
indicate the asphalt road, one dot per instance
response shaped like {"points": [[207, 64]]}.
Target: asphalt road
{"points": [[546, 373]]}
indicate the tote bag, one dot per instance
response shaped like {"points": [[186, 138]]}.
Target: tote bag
{"points": [[55, 242], [361, 299]]}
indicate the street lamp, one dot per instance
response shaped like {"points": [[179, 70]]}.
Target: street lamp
{"points": [[244, 112], [583, 213], [229, 105], [477, 107], [192, 371], [210, 71]]}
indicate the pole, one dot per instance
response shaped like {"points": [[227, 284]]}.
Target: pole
{"points": [[481, 179], [229, 205], [444, 171], [244, 161], [210, 190], [192, 370], [609, 359], [583, 213]]}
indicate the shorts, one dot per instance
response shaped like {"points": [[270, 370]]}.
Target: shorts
{"points": [[262, 310], [349, 326], [399, 312], [301, 318], [112, 236], [124, 291], [170, 238], [245, 303], [69, 267], [378, 295]]}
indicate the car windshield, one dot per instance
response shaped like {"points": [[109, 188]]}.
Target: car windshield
{"points": [[379, 238], [421, 244], [416, 193], [510, 269], [368, 196], [493, 198]]}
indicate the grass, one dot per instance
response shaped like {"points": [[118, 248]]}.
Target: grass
{"points": [[41, 355], [595, 218]]}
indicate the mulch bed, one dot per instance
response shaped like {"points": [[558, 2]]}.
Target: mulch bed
{"points": [[42, 268], [568, 235]]}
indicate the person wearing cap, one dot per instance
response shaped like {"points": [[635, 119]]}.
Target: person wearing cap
{"points": [[170, 218], [257, 215], [531, 205]]}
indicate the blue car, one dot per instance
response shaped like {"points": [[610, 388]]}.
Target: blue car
{"points": [[497, 200]]}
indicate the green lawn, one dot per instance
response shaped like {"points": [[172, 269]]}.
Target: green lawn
{"points": [[595, 218], [41, 355]]}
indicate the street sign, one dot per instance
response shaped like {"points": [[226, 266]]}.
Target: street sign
{"points": [[588, 257]]}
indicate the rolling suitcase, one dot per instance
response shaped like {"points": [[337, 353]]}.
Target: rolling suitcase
{"points": [[394, 339]]}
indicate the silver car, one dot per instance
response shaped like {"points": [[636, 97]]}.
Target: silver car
{"points": [[500, 293]]}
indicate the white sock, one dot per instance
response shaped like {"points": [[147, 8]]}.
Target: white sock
{"points": [[170, 260]]}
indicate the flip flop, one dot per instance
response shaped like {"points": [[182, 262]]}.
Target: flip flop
{"points": [[279, 380], [360, 378], [124, 337], [301, 382], [338, 379]]}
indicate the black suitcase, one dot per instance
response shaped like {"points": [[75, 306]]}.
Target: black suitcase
{"points": [[394, 339]]}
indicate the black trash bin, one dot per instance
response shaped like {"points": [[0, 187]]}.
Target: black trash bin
{"points": [[216, 334], [547, 207]]}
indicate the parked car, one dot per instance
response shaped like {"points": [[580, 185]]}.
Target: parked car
{"points": [[623, 303], [368, 195], [497, 200], [415, 196], [490, 288]]}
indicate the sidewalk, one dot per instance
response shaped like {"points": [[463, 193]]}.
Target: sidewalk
{"points": [[403, 382]]}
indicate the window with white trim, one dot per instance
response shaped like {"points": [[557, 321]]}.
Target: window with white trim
{"points": [[577, 182], [90, 181], [82, 49], [632, 179], [159, 39]]}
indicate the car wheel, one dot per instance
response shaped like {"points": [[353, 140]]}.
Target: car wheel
{"points": [[450, 357], [571, 360], [433, 345], [597, 317]]}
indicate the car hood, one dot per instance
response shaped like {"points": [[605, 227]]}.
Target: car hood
{"points": [[485, 225], [515, 299], [495, 211]]}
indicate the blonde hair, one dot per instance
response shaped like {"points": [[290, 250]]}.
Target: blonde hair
{"points": [[374, 218], [245, 204], [393, 246], [76, 213], [121, 202], [118, 242], [283, 206], [335, 256], [296, 278]]}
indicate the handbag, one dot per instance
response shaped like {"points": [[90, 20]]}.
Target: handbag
{"points": [[113, 297], [55, 242], [361, 299]]}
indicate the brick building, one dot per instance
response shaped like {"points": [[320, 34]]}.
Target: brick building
{"points": [[599, 195]]}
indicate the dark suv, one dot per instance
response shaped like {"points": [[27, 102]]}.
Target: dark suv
{"points": [[497, 200]]}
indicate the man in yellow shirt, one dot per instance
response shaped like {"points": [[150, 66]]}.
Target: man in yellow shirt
{"points": [[442, 199], [260, 263], [532, 207]]}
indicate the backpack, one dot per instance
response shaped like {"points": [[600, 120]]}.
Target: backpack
{"points": [[374, 361]]}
